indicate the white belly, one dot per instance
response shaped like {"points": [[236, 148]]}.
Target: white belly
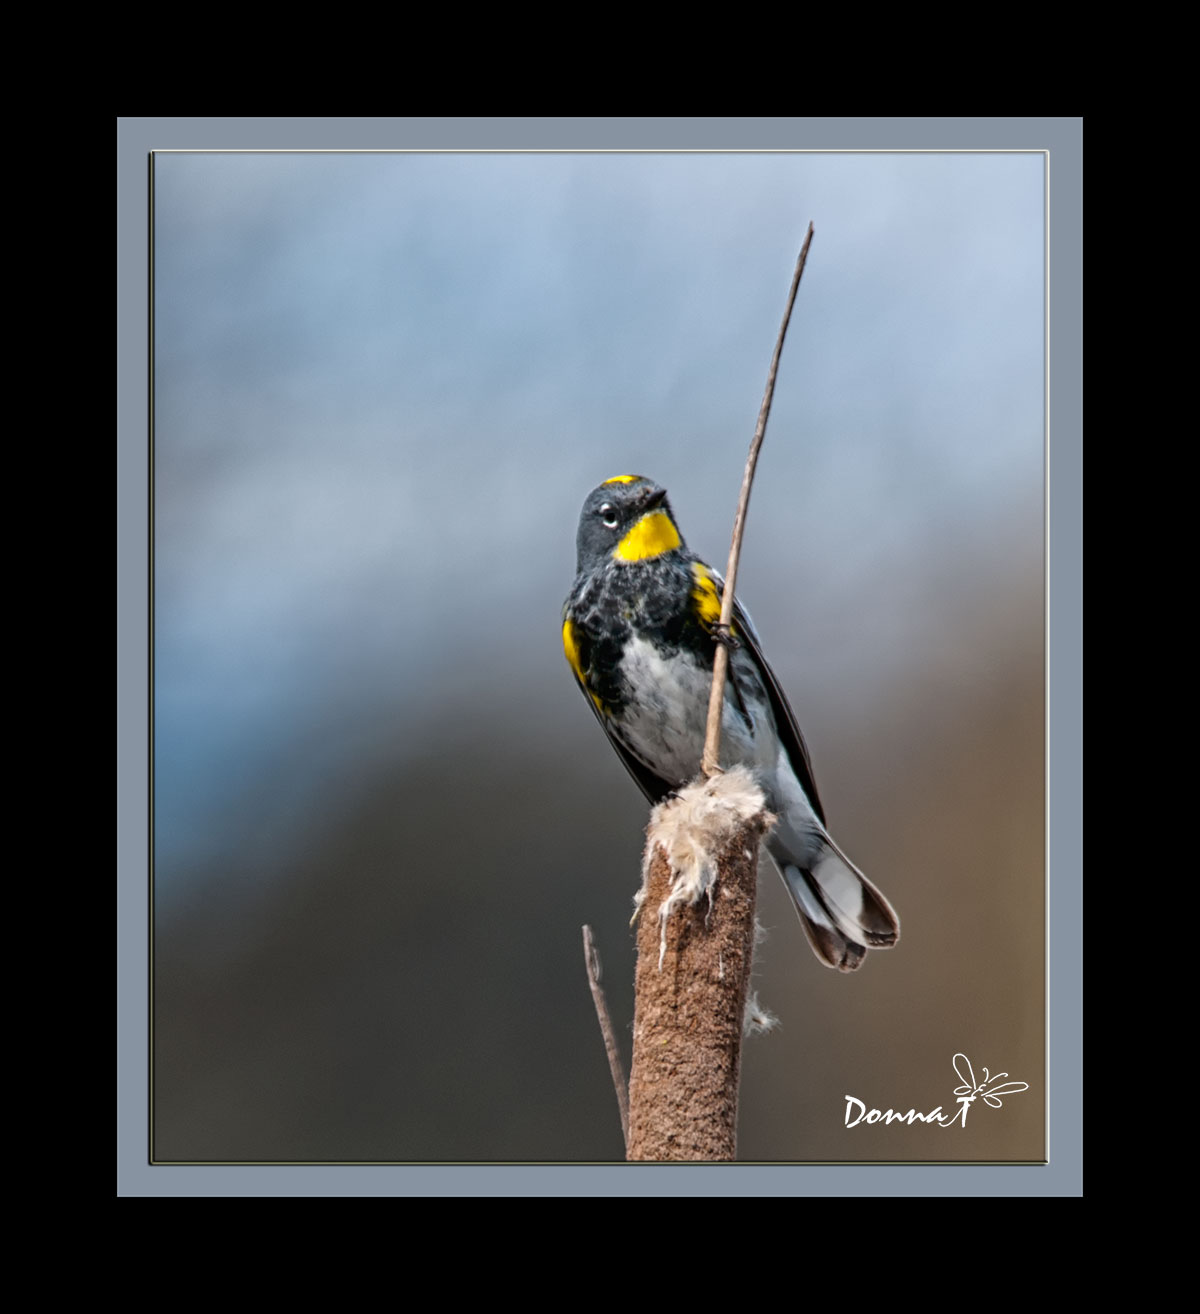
{"points": [[664, 725]]}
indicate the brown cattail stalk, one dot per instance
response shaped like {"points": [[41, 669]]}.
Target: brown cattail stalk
{"points": [[693, 970]]}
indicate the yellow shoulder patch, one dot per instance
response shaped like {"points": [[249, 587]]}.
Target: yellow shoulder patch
{"points": [[706, 598], [650, 537], [622, 479], [705, 595], [571, 649]]}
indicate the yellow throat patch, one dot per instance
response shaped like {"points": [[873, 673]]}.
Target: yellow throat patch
{"points": [[650, 537]]}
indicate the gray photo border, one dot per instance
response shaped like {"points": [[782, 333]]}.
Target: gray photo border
{"points": [[1062, 139]]}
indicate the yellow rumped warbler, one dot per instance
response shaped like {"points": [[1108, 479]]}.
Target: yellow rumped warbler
{"points": [[638, 632]]}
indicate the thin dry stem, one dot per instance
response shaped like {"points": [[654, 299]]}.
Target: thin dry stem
{"points": [[712, 738], [592, 958]]}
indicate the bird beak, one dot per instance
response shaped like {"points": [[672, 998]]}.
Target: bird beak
{"points": [[653, 497]]}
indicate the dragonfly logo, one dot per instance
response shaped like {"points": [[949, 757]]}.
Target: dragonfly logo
{"points": [[992, 1090]]}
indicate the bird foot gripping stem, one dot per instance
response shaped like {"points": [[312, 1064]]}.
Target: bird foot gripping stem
{"points": [[724, 635]]}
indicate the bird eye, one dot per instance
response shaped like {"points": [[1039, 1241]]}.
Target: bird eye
{"points": [[608, 515]]}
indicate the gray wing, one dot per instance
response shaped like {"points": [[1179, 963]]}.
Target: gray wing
{"points": [[654, 786], [785, 718]]}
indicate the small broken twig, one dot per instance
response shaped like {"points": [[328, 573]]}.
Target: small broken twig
{"points": [[712, 737], [592, 958]]}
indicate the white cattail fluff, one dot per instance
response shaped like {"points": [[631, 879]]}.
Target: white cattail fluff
{"points": [[757, 1020], [690, 827]]}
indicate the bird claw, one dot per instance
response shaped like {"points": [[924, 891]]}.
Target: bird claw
{"points": [[723, 634]]}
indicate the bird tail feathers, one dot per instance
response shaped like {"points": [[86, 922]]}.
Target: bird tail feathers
{"points": [[843, 914]]}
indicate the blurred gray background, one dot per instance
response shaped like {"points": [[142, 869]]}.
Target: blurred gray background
{"points": [[383, 386]]}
